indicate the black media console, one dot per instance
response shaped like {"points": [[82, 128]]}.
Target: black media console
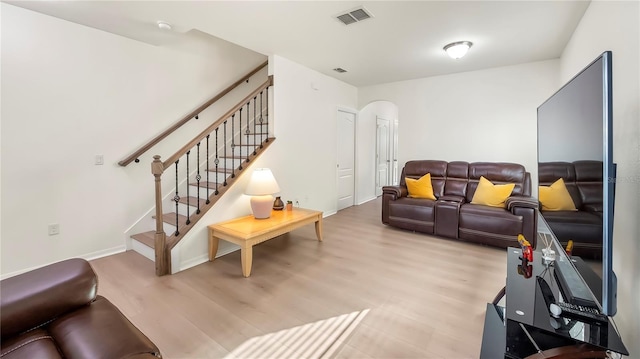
{"points": [[525, 327]]}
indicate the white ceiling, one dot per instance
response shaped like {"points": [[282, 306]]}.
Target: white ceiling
{"points": [[403, 41]]}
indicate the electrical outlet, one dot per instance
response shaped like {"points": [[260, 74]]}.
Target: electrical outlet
{"points": [[54, 229], [99, 160]]}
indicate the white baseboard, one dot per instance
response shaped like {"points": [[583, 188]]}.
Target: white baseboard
{"points": [[88, 256], [367, 200], [205, 257]]}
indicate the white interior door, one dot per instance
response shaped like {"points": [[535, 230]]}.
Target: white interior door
{"points": [[346, 158], [383, 159]]}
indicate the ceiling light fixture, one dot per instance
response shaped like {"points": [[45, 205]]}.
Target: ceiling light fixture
{"points": [[458, 49], [164, 25]]}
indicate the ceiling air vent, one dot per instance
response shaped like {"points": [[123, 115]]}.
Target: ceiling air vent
{"points": [[340, 70], [354, 16]]}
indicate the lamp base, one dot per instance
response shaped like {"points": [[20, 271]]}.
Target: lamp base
{"points": [[261, 206]]}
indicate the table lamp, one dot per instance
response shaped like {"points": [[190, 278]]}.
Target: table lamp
{"points": [[262, 185]]}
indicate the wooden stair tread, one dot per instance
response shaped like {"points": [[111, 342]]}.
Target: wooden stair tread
{"points": [[146, 238], [244, 157], [210, 185], [192, 201], [221, 169]]}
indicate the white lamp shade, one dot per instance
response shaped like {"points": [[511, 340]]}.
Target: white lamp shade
{"points": [[262, 183], [457, 50]]}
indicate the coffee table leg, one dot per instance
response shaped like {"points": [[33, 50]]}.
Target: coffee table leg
{"points": [[319, 228], [213, 247], [246, 256]]}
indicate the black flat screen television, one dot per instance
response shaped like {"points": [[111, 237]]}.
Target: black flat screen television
{"points": [[575, 142]]}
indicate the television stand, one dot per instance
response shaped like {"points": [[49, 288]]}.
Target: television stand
{"points": [[524, 327]]}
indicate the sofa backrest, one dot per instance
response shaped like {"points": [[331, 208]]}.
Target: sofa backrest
{"points": [[457, 179], [460, 178], [583, 180], [499, 173], [35, 297]]}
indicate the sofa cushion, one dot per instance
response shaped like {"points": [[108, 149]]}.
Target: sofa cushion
{"points": [[99, 328], [482, 221], [34, 344], [492, 195], [549, 172], [499, 173], [420, 188], [416, 214], [417, 169], [556, 197], [581, 226]]}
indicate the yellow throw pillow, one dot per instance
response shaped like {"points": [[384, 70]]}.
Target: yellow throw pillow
{"points": [[420, 188], [492, 195], [556, 197]]}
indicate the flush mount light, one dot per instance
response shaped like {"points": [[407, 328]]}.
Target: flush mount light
{"points": [[164, 25], [458, 49]]}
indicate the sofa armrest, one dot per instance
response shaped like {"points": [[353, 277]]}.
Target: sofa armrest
{"points": [[36, 297], [527, 208], [395, 191], [521, 201]]}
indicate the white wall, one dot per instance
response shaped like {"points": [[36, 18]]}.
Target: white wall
{"points": [[366, 146], [487, 115], [304, 156], [70, 92], [613, 25]]}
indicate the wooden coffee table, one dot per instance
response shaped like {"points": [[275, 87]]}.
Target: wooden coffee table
{"points": [[248, 231]]}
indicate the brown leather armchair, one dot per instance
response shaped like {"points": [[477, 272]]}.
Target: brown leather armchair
{"points": [[54, 312], [452, 214]]}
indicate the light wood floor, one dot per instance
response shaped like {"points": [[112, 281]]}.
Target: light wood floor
{"points": [[426, 295]]}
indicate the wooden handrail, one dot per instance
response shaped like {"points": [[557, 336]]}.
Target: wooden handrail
{"points": [[188, 117], [171, 160]]}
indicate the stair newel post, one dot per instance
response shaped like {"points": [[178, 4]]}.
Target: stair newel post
{"points": [[162, 259]]}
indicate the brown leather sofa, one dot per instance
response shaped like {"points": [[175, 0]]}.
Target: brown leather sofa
{"points": [[583, 180], [54, 312], [452, 215]]}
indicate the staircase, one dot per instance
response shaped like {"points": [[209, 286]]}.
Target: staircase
{"points": [[192, 180]]}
